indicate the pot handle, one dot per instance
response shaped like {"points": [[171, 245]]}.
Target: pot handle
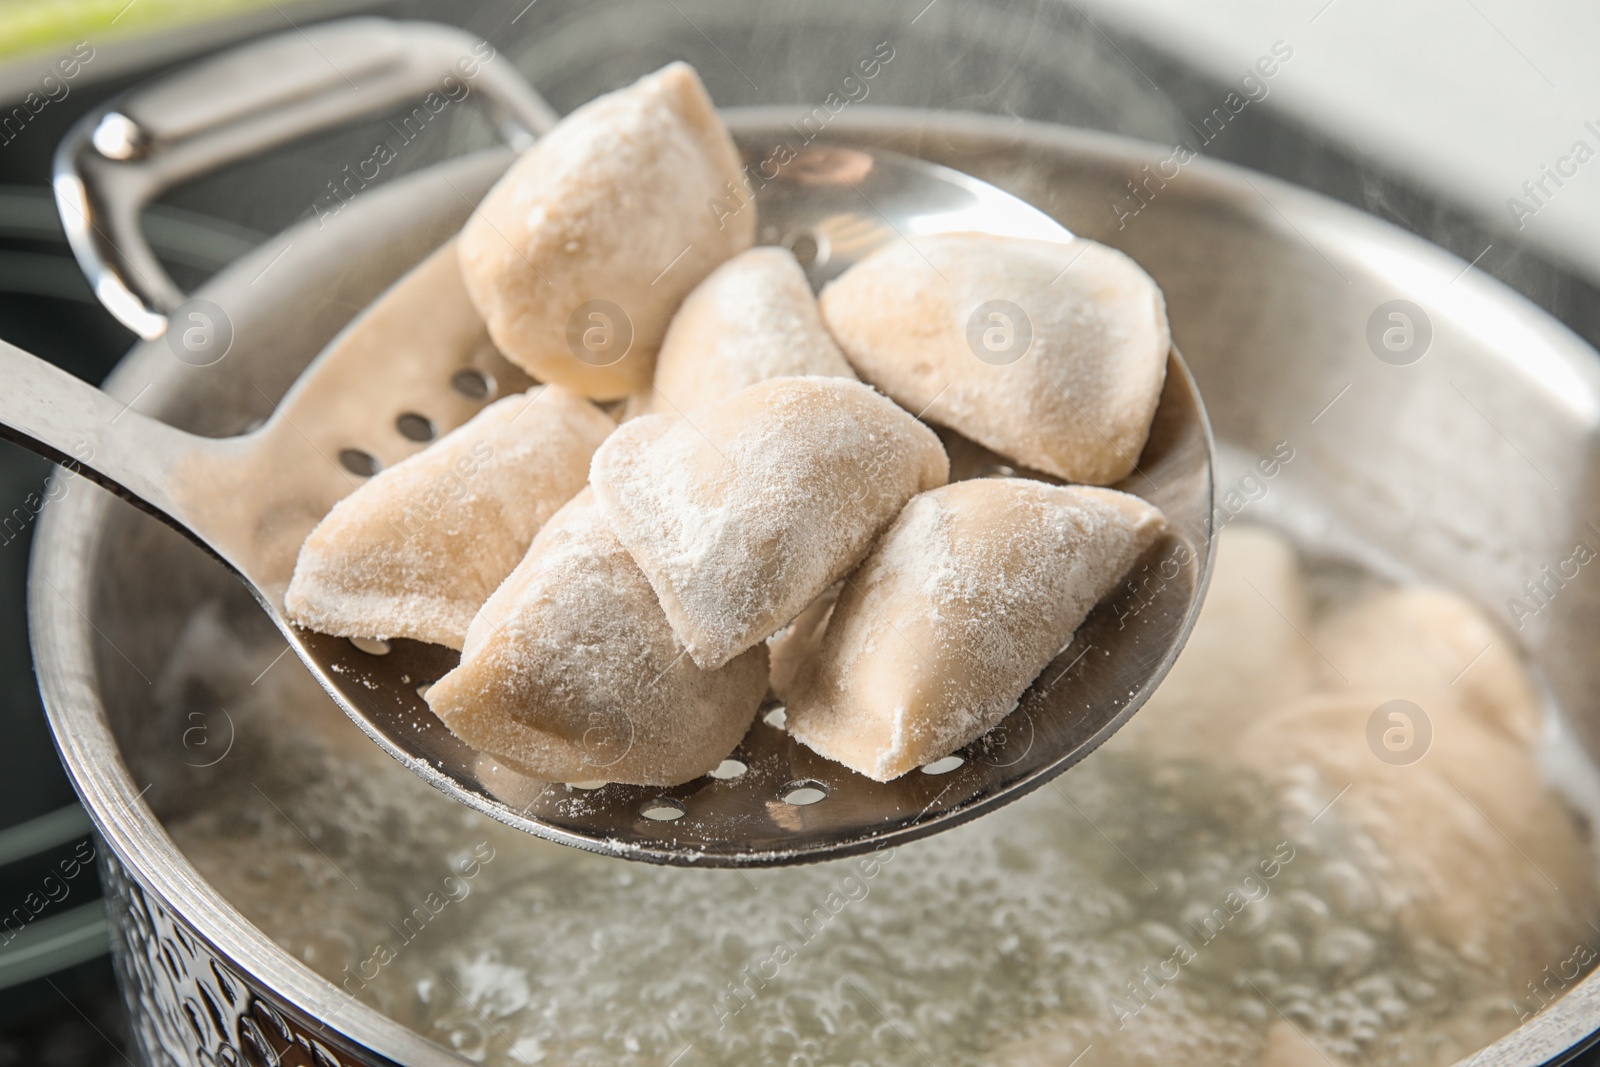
{"points": [[123, 154]]}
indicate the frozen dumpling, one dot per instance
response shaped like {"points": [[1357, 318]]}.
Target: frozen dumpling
{"points": [[742, 512], [578, 257], [417, 550], [967, 597], [1052, 354], [753, 318], [571, 673], [797, 643]]}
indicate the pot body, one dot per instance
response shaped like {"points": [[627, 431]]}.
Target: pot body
{"points": [[1465, 455]]}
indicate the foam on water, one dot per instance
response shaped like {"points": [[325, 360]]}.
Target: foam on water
{"points": [[1148, 910]]}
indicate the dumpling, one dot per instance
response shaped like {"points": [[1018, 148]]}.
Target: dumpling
{"points": [[1438, 794], [417, 550], [1052, 354], [797, 643], [1440, 824], [753, 318], [571, 673], [1246, 657], [741, 513], [580, 254], [1430, 646], [967, 597]]}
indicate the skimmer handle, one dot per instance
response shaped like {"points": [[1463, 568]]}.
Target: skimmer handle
{"points": [[48, 411]]}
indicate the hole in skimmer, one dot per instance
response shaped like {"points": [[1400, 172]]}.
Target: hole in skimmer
{"points": [[803, 792], [730, 768], [472, 383], [358, 462], [662, 809], [414, 427]]}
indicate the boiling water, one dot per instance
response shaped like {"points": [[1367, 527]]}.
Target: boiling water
{"points": [[1136, 910]]}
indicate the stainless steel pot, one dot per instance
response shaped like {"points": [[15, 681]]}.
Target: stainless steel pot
{"points": [[1468, 458]]}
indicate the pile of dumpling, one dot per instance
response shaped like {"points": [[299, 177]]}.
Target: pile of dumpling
{"points": [[772, 514]]}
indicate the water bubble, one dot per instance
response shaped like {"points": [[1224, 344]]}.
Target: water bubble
{"points": [[1253, 1009], [1343, 951], [1393, 1011], [1346, 888], [1160, 935], [1306, 908], [1281, 951], [1374, 987]]}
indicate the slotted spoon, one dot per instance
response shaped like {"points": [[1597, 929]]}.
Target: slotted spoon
{"points": [[252, 499]]}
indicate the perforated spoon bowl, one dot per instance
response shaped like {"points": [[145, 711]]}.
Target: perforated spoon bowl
{"points": [[251, 500]]}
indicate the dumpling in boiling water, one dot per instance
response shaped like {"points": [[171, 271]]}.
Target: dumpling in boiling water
{"points": [[971, 592], [578, 257], [417, 550], [1052, 354], [1432, 647], [571, 673], [742, 512], [753, 318], [1247, 655], [1439, 815], [1426, 735]]}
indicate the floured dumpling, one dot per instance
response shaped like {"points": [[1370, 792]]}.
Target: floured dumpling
{"points": [[967, 597], [1052, 354], [571, 673], [797, 643], [742, 512], [578, 257], [753, 318], [417, 550]]}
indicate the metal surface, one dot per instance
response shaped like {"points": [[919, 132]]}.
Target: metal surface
{"points": [[252, 500], [123, 154], [1274, 327]]}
